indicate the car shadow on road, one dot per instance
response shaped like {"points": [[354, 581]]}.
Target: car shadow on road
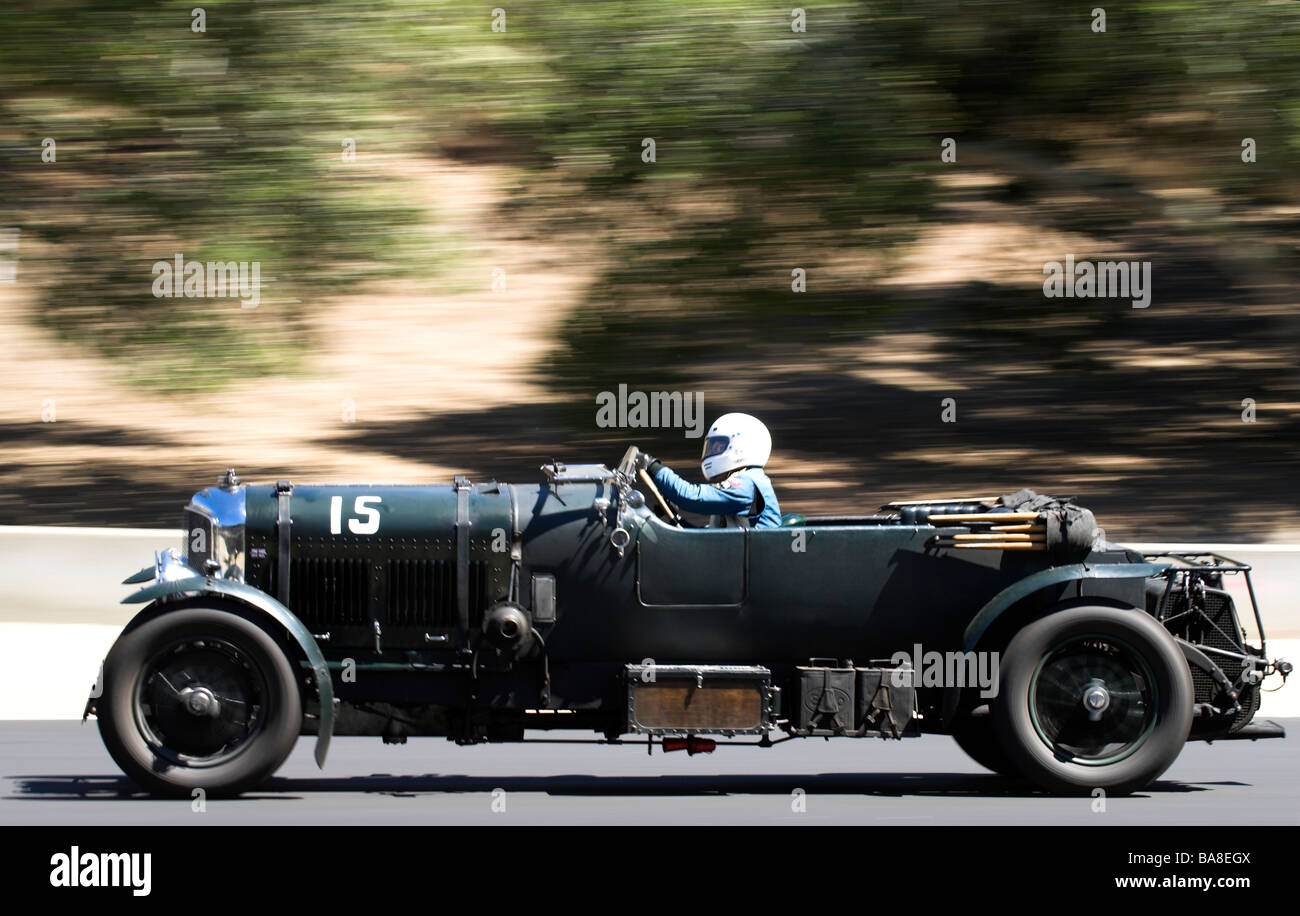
{"points": [[972, 785]]}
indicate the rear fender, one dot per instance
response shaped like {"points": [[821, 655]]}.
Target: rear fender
{"points": [[1017, 591], [1006, 600]]}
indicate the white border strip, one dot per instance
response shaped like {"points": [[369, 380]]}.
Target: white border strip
{"points": [[1228, 549], [92, 532]]}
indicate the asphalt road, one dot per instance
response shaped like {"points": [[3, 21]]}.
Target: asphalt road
{"points": [[58, 773]]}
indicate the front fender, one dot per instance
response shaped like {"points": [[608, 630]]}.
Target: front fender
{"points": [[260, 600], [1004, 599]]}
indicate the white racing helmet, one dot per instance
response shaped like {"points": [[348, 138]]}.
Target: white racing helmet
{"points": [[735, 441]]}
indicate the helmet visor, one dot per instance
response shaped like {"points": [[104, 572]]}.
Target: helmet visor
{"points": [[715, 445]]}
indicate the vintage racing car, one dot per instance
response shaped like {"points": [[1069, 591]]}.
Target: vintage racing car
{"points": [[486, 611]]}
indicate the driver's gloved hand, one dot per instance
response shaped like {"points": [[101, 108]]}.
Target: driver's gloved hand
{"points": [[646, 463]]}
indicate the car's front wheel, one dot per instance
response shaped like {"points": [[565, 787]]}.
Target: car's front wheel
{"points": [[198, 698], [1093, 698]]}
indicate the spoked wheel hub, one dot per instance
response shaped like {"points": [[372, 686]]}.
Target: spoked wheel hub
{"points": [[1093, 700], [200, 702]]}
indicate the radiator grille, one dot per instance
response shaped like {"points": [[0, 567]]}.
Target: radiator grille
{"points": [[328, 590], [334, 591], [423, 592]]}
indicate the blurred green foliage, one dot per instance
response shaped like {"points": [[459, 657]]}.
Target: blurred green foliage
{"points": [[774, 149], [224, 145]]}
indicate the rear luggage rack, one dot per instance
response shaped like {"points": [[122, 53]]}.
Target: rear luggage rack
{"points": [[1227, 672], [1195, 565]]}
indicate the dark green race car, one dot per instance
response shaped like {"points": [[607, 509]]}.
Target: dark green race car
{"points": [[486, 611]]}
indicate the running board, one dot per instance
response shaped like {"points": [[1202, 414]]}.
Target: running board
{"points": [[1252, 732]]}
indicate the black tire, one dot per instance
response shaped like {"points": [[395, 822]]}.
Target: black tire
{"points": [[975, 735], [198, 698], [1121, 658]]}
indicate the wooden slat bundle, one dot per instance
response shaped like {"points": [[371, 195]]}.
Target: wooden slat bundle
{"points": [[1004, 537], [1026, 531], [994, 531], [1000, 545]]}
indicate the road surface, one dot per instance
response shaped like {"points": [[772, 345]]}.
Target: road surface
{"points": [[58, 773]]}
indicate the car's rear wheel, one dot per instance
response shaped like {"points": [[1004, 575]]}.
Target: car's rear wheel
{"points": [[1093, 698], [198, 698]]}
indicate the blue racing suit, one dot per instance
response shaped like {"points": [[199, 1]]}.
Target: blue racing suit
{"points": [[746, 493]]}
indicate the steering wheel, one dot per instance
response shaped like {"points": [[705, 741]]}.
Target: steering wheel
{"points": [[627, 467]]}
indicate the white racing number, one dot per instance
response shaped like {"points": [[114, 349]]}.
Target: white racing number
{"points": [[362, 509]]}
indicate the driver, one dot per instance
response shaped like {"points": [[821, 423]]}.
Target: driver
{"points": [[741, 494]]}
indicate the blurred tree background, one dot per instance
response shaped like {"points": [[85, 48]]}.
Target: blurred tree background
{"points": [[774, 149]]}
